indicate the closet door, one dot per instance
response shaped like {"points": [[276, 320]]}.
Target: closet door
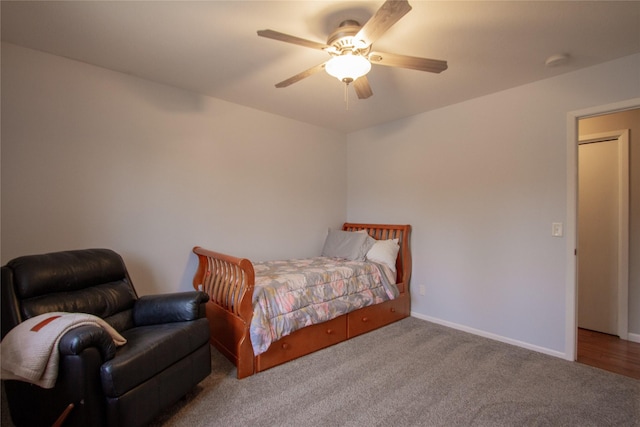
{"points": [[598, 231]]}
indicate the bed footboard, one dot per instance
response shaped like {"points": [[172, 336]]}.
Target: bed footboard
{"points": [[229, 282]]}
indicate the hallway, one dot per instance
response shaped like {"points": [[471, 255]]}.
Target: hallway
{"points": [[609, 352]]}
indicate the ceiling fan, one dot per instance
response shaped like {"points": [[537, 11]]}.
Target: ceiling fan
{"points": [[350, 48]]}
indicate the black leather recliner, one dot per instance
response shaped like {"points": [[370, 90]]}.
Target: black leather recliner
{"points": [[167, 351]]}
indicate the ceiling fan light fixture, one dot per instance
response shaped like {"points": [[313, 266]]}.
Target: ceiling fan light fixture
{"points": [[348, 67]]}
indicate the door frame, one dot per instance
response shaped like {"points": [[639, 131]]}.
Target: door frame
{"points": [[622, 138], [571, 295]]}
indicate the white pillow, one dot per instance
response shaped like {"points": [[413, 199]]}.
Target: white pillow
{"points": [[384, 252]]}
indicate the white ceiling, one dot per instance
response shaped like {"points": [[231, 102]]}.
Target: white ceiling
{"points": [[211, 47]]}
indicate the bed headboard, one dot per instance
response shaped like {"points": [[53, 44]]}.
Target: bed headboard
{"points": [[388, 231]]}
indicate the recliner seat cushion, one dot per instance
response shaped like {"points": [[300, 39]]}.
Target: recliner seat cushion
{"points": [[150, 350]]}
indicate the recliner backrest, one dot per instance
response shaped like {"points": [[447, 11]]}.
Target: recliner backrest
{"points": [[93, 281]]}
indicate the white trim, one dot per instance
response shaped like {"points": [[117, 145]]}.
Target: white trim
{"points": [[623, 242], [489, 335], [633, 337], [571, 319], [622, 138], [572, 197]]}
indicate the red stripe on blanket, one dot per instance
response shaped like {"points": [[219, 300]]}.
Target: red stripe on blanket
{"points": [[44, 323]]}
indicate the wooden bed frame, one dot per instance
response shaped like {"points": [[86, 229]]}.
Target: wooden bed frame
{"points": [[229, 282]]}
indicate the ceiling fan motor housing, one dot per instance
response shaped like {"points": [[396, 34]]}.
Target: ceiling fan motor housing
{"points": [[343, 39]]}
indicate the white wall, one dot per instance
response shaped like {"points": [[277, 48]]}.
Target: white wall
{"points": [[95, 158], [92, 157], [481, 182]]}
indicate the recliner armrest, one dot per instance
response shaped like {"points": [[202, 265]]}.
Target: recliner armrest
{"points": [[83, 337], [167, 308]]}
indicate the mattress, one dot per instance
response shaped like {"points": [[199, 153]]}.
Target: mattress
{"points": [[291, 294]]}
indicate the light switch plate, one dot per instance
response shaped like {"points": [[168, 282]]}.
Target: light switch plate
{"points": [[556, 229]]}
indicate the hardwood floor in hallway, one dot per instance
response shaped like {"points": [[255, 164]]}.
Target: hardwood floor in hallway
{"points": [[609, 352]]}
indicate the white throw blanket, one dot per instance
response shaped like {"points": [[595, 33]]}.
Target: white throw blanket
{"points": [[30, 350]]}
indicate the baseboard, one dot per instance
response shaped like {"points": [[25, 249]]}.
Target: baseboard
{"points": [[494, 337], [633, 337]]}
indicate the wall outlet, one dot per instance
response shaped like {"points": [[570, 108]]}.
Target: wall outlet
{"points": [[556, 229], [422, 290]]}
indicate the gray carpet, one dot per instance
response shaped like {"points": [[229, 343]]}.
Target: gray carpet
{"points": [[413, 373]]}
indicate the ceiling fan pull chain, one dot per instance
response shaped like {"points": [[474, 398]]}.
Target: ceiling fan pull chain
{"points": [[346, 96]]}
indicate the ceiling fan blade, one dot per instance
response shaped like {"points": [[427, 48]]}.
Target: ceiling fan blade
{"points": [[300, 76], [403, 61], [388, 14], [270, 34], [362, 87]]}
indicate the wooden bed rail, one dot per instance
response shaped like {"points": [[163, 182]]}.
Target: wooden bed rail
{"points": [[229, 282], [226, 279]]}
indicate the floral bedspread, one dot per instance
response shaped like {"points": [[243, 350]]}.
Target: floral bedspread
{"points": [[292, 294]]}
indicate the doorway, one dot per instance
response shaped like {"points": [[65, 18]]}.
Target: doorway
{"points": [[603, 232], [630, 106]]}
